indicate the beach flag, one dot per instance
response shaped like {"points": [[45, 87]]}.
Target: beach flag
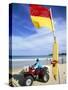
{"points": [[55, 60], [40, 16]]}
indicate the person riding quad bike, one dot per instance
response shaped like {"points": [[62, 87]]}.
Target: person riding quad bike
{"points": [[37, 64], [35, 72]]}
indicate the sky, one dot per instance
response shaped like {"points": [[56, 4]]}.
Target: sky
{"points": [[27, 40]]}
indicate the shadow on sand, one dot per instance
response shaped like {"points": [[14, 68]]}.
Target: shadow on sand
{"points": [[17, 77]]}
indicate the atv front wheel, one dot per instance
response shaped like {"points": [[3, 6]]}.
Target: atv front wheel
{"points": [[28, 81]]}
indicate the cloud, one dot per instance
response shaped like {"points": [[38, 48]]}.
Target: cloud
{"points": [[41, 43], [60, 32], [31, 42], [36, 43]]}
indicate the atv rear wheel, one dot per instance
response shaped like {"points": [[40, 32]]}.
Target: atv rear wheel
{"points": [[28, 81]]}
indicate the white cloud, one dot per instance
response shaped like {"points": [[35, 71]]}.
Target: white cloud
{"points": [[41, 43], [32, 42]]}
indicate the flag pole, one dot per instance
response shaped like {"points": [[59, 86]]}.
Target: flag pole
{"points": [[53, 30], [52, 24]]}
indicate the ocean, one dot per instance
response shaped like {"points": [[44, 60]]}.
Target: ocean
{"points": [[20, 62]]}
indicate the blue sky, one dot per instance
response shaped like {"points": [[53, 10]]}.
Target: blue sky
{"points": [[28, 40]]}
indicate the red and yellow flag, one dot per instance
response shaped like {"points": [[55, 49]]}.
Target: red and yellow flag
{"points": [[40, 16]]}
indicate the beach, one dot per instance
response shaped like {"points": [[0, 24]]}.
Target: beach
{"points": [[61, 79]]}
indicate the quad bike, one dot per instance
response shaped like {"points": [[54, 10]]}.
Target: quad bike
{"points": [[33, 74], [27, 77]]}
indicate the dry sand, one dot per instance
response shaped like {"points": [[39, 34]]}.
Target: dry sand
{"points": [[61, 80]]}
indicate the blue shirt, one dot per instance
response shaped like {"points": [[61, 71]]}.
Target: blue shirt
{"points": [[37, 65]]}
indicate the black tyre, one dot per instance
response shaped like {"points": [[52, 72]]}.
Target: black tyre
{"points": [[45, 77], [28, 81]]}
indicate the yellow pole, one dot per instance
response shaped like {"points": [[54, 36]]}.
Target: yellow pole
{"points": [[55, 60], [55, 52]]}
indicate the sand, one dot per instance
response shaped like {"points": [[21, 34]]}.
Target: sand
{"points": [[61, 80]]}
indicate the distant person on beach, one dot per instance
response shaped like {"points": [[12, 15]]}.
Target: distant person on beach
{"points": [[37, 64]]}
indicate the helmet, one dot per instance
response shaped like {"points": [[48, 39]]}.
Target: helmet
{"points": [[37, 60]]}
